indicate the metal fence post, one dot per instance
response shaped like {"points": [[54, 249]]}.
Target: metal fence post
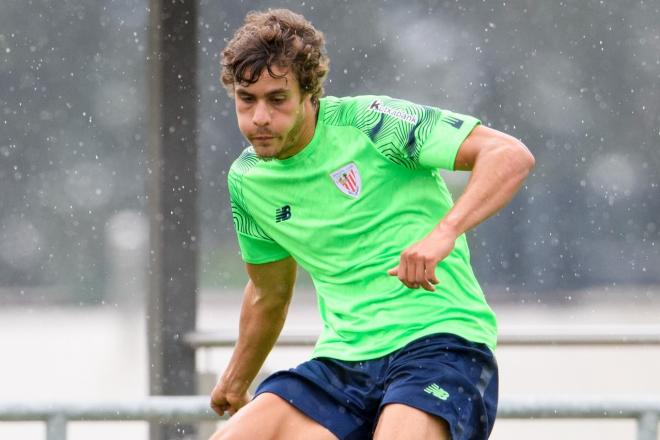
{"points": [[56, 427], [172, 180], [647, 426]]}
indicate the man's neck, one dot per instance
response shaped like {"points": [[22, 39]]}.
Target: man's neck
{"points": [[307, 129], [309, 123]]}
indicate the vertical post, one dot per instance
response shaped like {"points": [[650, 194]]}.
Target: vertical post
{"points": [[56, 427], [172, 173], [647, 426]]}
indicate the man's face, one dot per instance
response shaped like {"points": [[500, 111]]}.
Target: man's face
{"points": [[272, 114]]}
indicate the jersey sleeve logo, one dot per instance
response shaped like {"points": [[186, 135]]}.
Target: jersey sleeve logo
{"points": [[454, 122], [379, 107], [348, 180]]}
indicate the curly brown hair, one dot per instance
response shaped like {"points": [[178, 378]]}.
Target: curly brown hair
{"points": [[277, 37]]}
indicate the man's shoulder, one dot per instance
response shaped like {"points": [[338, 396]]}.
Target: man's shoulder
{"points": [[359, 101], [242, 165], [350, 110], [349, 100]]}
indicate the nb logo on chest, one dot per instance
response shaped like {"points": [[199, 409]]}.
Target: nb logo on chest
{"points": [[283, 213]]}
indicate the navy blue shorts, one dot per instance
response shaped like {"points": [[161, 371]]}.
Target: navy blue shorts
{"points": [[441, 374]]}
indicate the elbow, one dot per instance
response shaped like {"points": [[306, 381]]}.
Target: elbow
{"points": [[530, 160], [270, 299], [520, 157]]}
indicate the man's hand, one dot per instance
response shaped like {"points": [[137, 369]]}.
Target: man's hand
{"points": [[224, 400], [417, 264]]}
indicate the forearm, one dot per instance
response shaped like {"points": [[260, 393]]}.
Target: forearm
{"points": [[261, 322], [499, 165], [498, 174]]}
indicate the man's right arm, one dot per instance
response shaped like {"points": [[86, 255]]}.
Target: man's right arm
{"points": [[265, 305]]}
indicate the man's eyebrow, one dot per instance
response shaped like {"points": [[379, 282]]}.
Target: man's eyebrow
{"points": [[270, 93], [277, 91]]}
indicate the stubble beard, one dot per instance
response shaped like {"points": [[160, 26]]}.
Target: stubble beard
{"points": [[292, 136]]}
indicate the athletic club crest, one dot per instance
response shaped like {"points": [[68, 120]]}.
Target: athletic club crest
{"points": [[347, 179]]}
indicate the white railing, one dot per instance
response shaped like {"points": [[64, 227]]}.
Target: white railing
{"points": [[186, 409], [593, 335], [645, 410]]}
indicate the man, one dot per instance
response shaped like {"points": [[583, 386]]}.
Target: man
{"points": [[349, 189]]}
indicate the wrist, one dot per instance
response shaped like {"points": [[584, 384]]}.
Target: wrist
{"points": [[447, 227], [234, 385]]}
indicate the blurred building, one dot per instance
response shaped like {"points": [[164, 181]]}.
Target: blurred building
{"points": [[579, 84]]}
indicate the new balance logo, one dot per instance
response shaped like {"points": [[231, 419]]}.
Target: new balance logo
{"points": [[454, 122], [436, 391], [283, 213]]}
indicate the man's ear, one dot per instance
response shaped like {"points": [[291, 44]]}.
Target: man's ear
{"points": [[314, 100]]}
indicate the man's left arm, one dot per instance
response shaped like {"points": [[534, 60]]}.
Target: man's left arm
{"points": [[499, 164]]}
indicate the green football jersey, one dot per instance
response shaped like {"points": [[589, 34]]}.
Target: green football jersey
{"points": [[366, 187]]}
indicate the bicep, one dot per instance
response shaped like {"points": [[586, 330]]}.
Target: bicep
{"points": [[278, 277], [480, 139]]}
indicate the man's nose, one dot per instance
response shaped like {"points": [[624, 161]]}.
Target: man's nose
{"points": [[261, 116]]}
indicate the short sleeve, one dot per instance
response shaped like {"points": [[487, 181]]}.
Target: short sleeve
{"points": [[410, 134], [256, 246], [441, 146]]}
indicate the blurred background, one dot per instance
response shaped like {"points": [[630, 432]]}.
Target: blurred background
{"points": [[578, 82]]}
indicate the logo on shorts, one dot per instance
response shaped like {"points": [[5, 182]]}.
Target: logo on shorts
{"points": [[436, 391], [348, 180]]}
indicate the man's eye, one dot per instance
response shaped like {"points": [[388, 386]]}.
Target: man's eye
{"points": [[278, 99], [247, 98]]}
